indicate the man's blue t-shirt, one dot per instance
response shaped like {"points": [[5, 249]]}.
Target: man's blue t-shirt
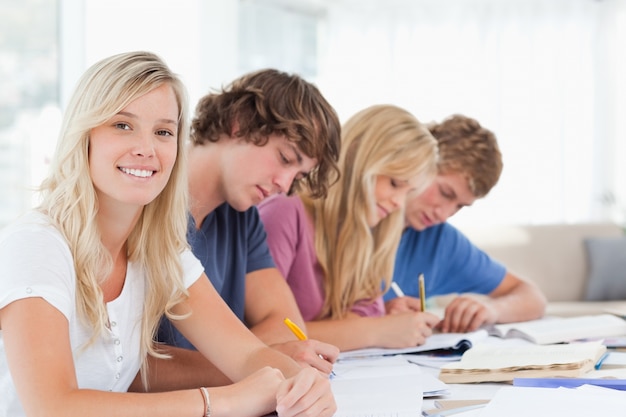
{"points": [[229, 244], [449, 261]]}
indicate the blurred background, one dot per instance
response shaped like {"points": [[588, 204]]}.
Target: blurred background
{"points": [[548, 77]]}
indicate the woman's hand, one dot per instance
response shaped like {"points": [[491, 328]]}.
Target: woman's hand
{"points": [[319, 355], [403, 304], [404, 329], [307, 394], [252, 396]]}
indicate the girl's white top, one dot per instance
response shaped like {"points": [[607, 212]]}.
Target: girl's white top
{"points": [[35, 261]]}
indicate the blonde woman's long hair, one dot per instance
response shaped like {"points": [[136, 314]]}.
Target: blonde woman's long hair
{"points": [[70, 200], [358, 260]]}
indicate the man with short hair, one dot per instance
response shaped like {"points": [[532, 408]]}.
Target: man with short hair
{"points": [[268, 132], [469, 166]]}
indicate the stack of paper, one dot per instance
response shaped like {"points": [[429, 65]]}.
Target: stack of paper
{"points": [[486, 363], [382, 386]]}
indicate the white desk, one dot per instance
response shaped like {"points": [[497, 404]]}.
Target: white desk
{"points": [[480, 391]]}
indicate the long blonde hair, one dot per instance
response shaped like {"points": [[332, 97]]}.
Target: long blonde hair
{"points": [[69, 197], [357, 259]]}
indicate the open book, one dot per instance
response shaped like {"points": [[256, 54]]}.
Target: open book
{"points": [[491, 363], [558, 330]]}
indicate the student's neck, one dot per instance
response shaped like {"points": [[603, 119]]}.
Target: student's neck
{"points": [[199, 212], [115, 225], [205, 193]]}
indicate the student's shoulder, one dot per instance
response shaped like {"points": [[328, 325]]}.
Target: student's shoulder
{"points": [[33, 240], [280, 204], [440, 234], [282, 212], [225, 214], [451, 234], [32, 225], [446, 228], [430, 233]]}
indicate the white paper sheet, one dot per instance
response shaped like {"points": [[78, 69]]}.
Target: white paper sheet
{"points": [[380, 387], [583, 401]]}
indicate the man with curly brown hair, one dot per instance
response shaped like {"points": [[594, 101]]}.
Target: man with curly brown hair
{"points": [[268, 132], [470, 164]]}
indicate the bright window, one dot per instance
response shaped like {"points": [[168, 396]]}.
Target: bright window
{"points": [[29, 110], [545, 75]]}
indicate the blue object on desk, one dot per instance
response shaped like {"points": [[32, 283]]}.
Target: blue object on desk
{"points": [[601, 361], [618, 384]]}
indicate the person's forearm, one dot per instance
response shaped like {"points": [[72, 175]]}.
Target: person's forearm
{"points": [[272, 330], [263, 315], [186, 369], [266, 356], [350, 333], [525, 302]]}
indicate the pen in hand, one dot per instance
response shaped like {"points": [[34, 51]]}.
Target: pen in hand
{"points": [[422, 291], [396, 288], [295, 329]]}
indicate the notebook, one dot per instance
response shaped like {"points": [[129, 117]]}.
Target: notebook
{"points": [[559, 330], [451, 342], [491, 363]]}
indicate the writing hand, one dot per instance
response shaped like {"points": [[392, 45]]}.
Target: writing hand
{"points": [[403, 305], [319, 355], [305, 394], [467, 313]]}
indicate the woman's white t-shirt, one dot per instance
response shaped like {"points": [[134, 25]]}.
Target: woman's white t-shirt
{"points": [[35, 261]]}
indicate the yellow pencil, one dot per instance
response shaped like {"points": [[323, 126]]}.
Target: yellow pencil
{"points": [[295, 329], [420, 281]]}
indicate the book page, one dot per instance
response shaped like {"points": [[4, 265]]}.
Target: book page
{"points": [[558, 330], [486, 363], [495, 357]]}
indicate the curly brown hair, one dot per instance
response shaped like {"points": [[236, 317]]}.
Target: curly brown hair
{"points": [[467, 147], [269, 102]]}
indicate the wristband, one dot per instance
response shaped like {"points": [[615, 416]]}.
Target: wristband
{"points": [[207, 402]]}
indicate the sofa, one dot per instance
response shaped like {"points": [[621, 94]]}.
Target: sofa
{"points": [[581, 268]]}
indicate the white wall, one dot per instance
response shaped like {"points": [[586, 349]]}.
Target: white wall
{"points": [[545, 75]]}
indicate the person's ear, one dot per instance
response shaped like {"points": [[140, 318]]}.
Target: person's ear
{"points": [[234, 128]]}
